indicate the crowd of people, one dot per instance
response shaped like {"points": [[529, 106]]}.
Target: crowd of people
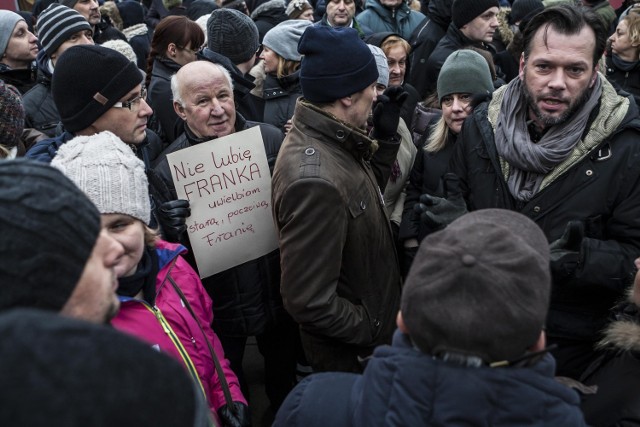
{"points": [[455, 193]]}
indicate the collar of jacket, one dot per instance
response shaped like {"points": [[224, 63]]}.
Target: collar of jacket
{"points": [[623, 331], [324, 126], [194, 140]]}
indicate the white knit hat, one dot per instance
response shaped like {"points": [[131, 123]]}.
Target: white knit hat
{"points": [[108, 172]]}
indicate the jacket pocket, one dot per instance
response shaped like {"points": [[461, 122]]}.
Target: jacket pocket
{"points": [[360, 202]]}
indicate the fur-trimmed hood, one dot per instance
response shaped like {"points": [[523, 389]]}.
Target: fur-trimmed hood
{"points": [[504, 28], [624, 332]]}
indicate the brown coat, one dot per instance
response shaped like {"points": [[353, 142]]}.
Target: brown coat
{"points": [[340, 275]]}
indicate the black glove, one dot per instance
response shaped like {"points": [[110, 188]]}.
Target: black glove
{"points": [[172, 216], [386, 113], [565, 252], [438, 212], [236, 415]]}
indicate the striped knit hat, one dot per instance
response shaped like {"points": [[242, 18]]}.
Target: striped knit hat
{"points": [[56, 24]]}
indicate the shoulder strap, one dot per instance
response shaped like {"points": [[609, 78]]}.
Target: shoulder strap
{"points": [[216, 361]]}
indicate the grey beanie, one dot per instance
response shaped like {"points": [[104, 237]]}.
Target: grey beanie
{"points": [[464, 71], [108, 172], [480, 287], [8, 21], [233, 34], [283, 38], [381, 63], [56, 24]]}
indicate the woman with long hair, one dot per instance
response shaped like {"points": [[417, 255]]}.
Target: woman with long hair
{"points": [[175, 42], [464, 75]]}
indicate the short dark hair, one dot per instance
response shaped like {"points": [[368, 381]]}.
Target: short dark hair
{"points": [[568, 20]]}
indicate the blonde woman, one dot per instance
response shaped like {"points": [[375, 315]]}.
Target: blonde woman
{"points": [[465, 74]]}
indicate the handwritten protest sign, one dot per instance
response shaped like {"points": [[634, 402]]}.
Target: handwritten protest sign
{"points": [[228, 184]]}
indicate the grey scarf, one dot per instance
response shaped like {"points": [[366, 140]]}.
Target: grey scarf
{"points": [[529, 162]]}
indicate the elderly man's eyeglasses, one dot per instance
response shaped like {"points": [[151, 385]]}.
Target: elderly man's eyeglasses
{"points": [[133, 104]]}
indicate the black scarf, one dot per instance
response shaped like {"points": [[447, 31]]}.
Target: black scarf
{"points": [[143, 279]]}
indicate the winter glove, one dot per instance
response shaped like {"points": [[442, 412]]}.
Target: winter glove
{"points": [[172, 216], [565, 252], [236, 415], [438, 212], [386, 113]]}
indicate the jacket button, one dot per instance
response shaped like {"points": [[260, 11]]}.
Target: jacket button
{"points": [[589, 172], [340, 134], [536, 209], [310, 151], [363, 205], [376, 323]]}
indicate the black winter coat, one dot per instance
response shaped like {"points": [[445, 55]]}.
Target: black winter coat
{"points": [[625, 80], [160, 99], [280, 95], [452, 41], [424, 40], [23, 80], [40, 109], [246, 298], [602, 190]]}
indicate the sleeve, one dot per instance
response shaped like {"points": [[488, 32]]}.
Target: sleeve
{"points": [[382, 160], [312, 221], [410, 225]]}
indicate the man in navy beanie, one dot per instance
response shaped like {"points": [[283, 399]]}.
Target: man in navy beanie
{"points": [[340, 276]]}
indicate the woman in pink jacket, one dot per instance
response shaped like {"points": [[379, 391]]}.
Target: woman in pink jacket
{"points": [[162, 299]]}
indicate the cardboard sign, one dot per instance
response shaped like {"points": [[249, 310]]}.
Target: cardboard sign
{"points": [[228, 184]]}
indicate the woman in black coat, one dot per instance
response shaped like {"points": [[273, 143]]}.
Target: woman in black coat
{"points": [[623, 65]]}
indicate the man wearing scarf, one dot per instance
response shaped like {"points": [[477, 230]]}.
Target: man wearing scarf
{"points": [[560, 146]]}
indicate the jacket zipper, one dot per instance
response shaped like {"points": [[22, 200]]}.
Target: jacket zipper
{"points": [[176, 342]]}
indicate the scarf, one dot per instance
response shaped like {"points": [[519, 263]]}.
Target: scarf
{"points": [[143, 279], [623, 65], [530, 162]]}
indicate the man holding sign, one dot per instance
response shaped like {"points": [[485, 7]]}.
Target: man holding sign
{"points": [[340, 274], [246, 297]]}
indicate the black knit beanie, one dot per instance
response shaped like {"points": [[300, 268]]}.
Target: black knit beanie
{"points": [[521, 8], [48, 228], [336, 63], [106, 77], [233, 34], [61, 372], [465, 11]]}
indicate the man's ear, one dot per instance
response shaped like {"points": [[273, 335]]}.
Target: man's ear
{"points": [[595, 75], [400, 323], [179, 109], [347, 101], [522, 65]]}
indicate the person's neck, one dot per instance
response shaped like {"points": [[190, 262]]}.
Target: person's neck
{"points": [[629, 56], [16, 65]]}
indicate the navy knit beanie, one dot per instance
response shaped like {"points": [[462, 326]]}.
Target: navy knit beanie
{"points": [[106, 77], [336, 63], [48, 228]]}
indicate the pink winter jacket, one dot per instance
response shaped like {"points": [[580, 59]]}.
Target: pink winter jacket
{"points": [[138, 319]]}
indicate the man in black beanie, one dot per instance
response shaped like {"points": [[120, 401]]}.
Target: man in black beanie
{"points": [[470, 345], [473, 23], [53, 254], [97, 89], [340, 274]]}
